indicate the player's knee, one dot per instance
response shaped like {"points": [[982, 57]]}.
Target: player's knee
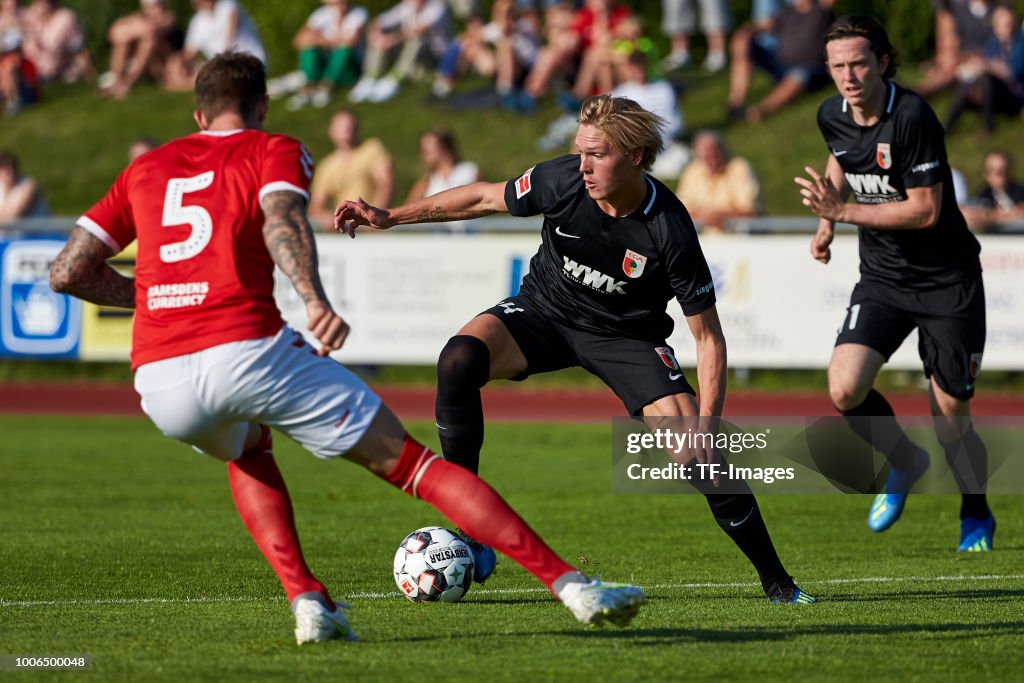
{"points": [[465, 362], [951, 426], [947, 428], [845, 395]]}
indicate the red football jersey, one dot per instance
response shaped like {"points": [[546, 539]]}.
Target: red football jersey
{"points": [[203, 275]]}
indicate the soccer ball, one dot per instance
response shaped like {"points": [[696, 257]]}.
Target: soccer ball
{"points": [[433, 565]]}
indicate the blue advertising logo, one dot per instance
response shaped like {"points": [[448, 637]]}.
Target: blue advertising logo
{"points": [[34, 320]]}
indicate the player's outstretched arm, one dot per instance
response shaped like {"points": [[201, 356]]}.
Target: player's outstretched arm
{"points": [[706, 329], [920, 210], [81, 270], [458, 204], [289, 239]]}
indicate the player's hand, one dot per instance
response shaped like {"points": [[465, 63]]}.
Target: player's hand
{"points": [[821, 244], [328, 327], [349, 215], [820, 195]]}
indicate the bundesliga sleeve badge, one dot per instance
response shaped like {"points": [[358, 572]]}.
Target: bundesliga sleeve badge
{"points": [[523, 183], [633, 264]]}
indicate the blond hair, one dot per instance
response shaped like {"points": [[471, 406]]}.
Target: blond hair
{"points": [[627, 125]]}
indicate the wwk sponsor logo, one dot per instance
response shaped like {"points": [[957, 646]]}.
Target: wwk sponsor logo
{"points": [[595, 279]]}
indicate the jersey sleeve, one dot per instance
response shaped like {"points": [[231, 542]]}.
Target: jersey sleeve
{"points": [[287, 165], [925, 150], [540, 188], [688, 270], [110, 219]]}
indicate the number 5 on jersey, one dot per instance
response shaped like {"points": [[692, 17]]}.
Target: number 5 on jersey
{"points": [[176, 213]]}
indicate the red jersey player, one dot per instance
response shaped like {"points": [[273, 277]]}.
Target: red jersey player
{"points": [[215, 365]]}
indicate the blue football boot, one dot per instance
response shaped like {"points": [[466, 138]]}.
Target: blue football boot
{"points": [[484, 558], [787, 592], [976, 535], [887, 507]]}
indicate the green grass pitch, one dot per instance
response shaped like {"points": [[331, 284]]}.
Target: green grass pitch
{"points": [[123, 545]]}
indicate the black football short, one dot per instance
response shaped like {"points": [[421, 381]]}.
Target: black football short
{"points": [[639, 372], [950, 323]]}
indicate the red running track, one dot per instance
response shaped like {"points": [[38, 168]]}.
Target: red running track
{"points": [[511, 404]]}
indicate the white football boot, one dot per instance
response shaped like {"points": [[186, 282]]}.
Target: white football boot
{"points": [[595, 601], [315, 623]]}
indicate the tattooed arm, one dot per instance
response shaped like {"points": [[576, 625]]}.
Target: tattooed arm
{"points": [[81, 270], [457, 204], [289, 239]]}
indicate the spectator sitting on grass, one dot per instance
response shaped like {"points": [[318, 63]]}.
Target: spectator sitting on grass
{"points": [[1001, 199], [677, 17], [328, 45], [568, 37], [18, 81], [794, 60], [601, 61], [20, 196], [412, 35], [140, 44], [54, 42], [962, 28], [445, 170], [355, 168], [217, 26], [716, 187], [505, 49], [993, 83]]}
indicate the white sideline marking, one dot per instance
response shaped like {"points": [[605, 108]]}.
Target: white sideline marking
{"points": [[500, 591]]}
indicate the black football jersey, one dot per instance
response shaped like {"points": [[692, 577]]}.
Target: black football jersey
{"points": [[904, 149], [605, 274]]}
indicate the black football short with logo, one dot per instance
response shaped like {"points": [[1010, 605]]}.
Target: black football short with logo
{"points": [[950, 323], [638, 371]]}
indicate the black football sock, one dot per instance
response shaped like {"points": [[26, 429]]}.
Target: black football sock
{"points": [[740, 518], [462, 369], [874, 421], [968, 460]]}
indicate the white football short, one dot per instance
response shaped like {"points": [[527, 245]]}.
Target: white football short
{"points": [[208, 398]]}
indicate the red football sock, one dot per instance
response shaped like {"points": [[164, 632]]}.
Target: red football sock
{"points": [[476, 508], [266, 508]]}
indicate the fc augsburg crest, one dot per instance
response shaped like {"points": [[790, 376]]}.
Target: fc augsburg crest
{"points": [[884, 155], [633, 264]]}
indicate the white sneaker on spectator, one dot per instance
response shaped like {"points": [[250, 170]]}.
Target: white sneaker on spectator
{"points": [[107, 79], [559, 133], [297, 101], [385, 89], [441, 88], [363, 89], [714, 62], [314, 623], [675, 60], [321, 98], [289, 83]]}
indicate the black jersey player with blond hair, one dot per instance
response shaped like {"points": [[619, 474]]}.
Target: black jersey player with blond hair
{"points": [[919, 269], [616, 246]]}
